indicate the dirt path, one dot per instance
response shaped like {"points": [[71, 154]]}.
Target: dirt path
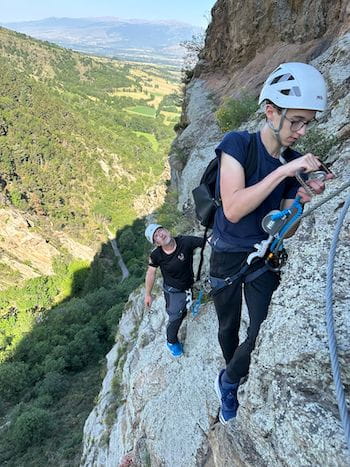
{"points": [[122, 265]]}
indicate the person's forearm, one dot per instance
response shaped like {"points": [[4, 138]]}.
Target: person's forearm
{"points": [[246, 200], [149, 282]]}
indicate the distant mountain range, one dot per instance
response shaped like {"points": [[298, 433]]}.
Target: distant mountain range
{"points": [[134, 40]]}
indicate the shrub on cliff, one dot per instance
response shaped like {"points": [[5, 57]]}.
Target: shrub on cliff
{"points": [[233, 112], [316, 142]]}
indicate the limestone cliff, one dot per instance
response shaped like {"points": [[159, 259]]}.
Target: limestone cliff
{"points": [[155, 411], [248, 38], [27, 251]]}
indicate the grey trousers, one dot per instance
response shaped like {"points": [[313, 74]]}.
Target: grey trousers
{"points": [[177, 302]]}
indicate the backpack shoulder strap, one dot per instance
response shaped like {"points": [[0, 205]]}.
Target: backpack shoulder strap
{"points": [[251, 163], [287, 155], [205, 237]]}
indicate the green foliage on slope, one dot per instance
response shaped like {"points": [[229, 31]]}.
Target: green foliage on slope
{"points": [[52, 349], [68, 147], [234, 112]]}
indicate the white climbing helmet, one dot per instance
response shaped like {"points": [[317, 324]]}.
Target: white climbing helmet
{"points": [[295, 86], [149, 232]]}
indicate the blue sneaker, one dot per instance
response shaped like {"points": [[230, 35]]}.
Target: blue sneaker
{"points": [[227, 394], [176, 350]]}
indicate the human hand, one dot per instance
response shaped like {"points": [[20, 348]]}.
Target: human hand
{"points": [[305, 196], [305, 164], [148, 300], [317, 186]]}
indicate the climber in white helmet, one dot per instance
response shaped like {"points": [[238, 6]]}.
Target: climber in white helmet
{"points": [[292, 95], [174, 256]]}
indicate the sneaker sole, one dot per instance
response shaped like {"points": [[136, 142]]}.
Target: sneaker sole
{"points": [[218, 393], [174, 356], [217, 388]]}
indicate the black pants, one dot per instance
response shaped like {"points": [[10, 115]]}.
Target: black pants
{"points": [[175, 302], [228, 305]]}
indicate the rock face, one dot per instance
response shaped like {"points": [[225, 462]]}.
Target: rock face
{"points": [[26, 250], [155, 411], [248, 39], [22, 248], [166, 406], [241, 29]]}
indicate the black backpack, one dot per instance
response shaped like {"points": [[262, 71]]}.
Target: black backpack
{"points": [[207, 195]]}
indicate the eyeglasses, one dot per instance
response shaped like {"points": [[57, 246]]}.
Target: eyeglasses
{"points": [[296, 125]]}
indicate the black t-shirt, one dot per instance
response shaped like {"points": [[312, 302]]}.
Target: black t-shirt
{"points": [[177, 268]]}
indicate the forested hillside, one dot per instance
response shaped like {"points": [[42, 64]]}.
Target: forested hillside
{"points": [[80, 137], [83, 147]]}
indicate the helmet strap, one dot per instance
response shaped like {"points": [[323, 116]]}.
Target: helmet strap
{"points": [[276, 131]]}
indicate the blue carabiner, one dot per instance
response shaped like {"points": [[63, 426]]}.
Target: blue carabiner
{"points": [[287, 212], [196, 305]]}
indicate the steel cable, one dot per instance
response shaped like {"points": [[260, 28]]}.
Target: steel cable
{"points": [[339, 389]]}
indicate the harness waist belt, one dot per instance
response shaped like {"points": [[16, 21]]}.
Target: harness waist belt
{"points": [[171, 289], [218, 283]]}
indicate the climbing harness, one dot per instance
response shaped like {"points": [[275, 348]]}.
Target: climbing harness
{"points": [[197, 304], [276, 224], [179, 300], [218, 283], [339, 389]]}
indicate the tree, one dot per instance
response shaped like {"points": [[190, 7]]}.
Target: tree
{"points": [[192, 48], [31, 427], [13, 379]]}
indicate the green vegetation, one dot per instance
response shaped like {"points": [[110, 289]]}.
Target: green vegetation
{"points": [[169, 216], [151, 138], [75, 158], [67, 142], [143, 110], [316, 142], [52, 347], [233, 112]]}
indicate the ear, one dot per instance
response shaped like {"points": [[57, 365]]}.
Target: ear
{"points": [[270, 110]]}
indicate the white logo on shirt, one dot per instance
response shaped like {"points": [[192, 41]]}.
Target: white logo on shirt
{"points": [[181, 256]]}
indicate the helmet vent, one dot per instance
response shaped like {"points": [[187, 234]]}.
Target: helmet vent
{"points": [[281, 78], [294, 91]]}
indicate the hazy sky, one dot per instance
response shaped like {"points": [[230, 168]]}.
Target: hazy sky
{"points": [[196, 12]]}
